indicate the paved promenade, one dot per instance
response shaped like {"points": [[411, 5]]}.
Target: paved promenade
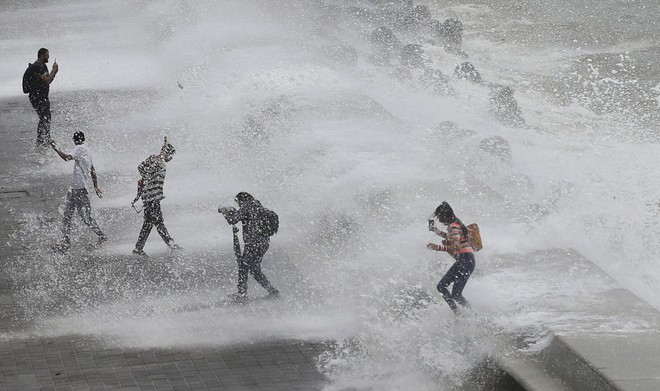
{"points": [[29, 361]]}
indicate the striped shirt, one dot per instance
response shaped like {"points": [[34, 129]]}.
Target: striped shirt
{"points": [[456, 242], [152, 171]]}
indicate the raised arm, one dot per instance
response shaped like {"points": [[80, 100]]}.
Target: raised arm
{"points": [[233, 216], [65, 156], [48, 77], [439, 232], [450, 244]]}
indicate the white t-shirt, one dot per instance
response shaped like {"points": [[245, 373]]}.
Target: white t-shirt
{"points": [[82, 169]]}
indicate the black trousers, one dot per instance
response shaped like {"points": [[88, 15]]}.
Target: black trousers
{"points": [[152, 216], [41, 105], [250, 263]]}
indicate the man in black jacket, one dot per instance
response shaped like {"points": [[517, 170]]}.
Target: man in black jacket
{"points": [[256, 244], [36, 83]]}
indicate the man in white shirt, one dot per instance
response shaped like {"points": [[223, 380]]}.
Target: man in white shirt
{"points": [[83, 181]]}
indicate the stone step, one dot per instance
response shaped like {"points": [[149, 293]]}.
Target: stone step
{"points": [[531, 375], [606, 361]]}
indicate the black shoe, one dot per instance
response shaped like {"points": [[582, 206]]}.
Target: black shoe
{"points": [[274, 294], [173, 246], [140, 253], [238, 297], [100, 243], [61, 247]]}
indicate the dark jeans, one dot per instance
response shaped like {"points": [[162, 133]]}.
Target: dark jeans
{"points": [[457, 274], [152, 216], [250, 263], [41, 105], [77, 199]]}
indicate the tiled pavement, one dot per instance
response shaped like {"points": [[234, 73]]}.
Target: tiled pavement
{"points": [[77, 362]]}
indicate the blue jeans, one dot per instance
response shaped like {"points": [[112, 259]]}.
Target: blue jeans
{"points": [[77, 199], [458, 274]]}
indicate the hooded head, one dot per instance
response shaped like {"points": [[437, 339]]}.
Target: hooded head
{"points": [[167, 152], [243, 197], [445, 213]]}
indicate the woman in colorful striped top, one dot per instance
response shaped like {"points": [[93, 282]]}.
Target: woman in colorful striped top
{"points": [[457, 245]]}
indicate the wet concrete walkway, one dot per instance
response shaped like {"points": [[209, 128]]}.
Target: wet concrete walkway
{"points": [[81, 363], [86, 362]]}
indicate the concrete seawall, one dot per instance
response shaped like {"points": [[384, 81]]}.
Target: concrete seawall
{"points": [[589, 363], [615, 348]]}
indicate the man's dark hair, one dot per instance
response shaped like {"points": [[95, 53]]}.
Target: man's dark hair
{"points": [[78, 137], [41, 52]]}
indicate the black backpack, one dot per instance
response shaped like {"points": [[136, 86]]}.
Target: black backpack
{"points": [[26, 80], [269, 222]]}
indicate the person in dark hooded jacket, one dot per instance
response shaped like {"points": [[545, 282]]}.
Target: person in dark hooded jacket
{"points": [[256, 244]]}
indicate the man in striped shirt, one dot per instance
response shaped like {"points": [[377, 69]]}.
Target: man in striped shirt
{"points": [[150, 185]]}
